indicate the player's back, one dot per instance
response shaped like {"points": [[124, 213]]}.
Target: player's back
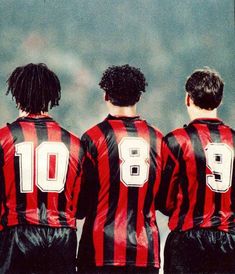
{"points": [[40, 165], [124, 172], [204, 154]]}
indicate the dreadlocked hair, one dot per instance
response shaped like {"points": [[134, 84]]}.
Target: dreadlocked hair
{"points": [[123, 84], [34, 86]]}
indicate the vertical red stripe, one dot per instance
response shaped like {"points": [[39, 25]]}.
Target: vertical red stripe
{"points": [[141, 234], [30, 135], [9, 174], [72, 185], [226, 138], [159, 137], [54, 135], [2, 213], [209, 205], [156, 242], [155, 232], [52, 167], [76, 191], [120, 222], [174, 219]]}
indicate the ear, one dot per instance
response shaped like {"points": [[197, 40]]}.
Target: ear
{"points": [[187, 100], [137, 99], [106, 97]]}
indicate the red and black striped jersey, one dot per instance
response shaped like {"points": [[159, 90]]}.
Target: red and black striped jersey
{"points": [[122, 171], [40, 173], [198, 182]]}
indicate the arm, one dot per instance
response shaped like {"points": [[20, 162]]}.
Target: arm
{"points": [[1, 179], [88, 179], [167, 194]]}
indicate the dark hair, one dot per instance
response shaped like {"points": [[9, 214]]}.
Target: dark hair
{"points": [[205, 88], [34, 86], [123, 84]]}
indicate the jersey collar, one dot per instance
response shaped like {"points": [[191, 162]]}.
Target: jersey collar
{"points": [[126, 118], [35, 117], [211, 121]]}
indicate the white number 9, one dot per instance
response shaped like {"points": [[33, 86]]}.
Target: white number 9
{"points": [[134, 156], [219, 160]]}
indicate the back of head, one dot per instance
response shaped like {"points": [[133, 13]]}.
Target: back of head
{"points": [[123, 85], [205, 88], [34, 86]]}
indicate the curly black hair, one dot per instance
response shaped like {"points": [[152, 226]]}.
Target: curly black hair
{"points": [[34, 86], [205, 87], [123, 84]]}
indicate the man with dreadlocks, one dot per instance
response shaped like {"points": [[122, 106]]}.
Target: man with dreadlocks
{"points": [[40, 172], [122, 171]]}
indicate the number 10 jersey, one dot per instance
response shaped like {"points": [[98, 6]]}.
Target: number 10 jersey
{"points": [[122, 175], [40, 172]]}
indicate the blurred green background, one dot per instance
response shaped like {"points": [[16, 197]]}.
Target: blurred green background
{"points": [[79, 39]]}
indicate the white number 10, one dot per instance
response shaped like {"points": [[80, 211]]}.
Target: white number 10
{"points": [[43, 153], [219, 158]]}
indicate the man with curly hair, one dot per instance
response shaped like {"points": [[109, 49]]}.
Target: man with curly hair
{"points": [[122, 175]]}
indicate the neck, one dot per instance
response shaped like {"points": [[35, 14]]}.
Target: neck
{"points": [[129, 111], [198, 113], [25, 114]]}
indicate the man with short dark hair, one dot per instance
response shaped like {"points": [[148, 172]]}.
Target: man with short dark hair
{"points": [[40, 167], [198, 184], [122, 171]]}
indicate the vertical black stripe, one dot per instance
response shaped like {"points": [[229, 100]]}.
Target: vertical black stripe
{"points": [[162, 195], [81, 208], [149, 194], [88, 199], [232, 218], [183, 183], [200, 159], [132, 207], [215, 138], [2, 191], [21, 205], [114, 189], [42, 135], [152, 171], [81, 155], [65, 138]]}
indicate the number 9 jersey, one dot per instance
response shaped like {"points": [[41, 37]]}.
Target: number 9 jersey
{"points": [[122, 175], [198, 182], [40, 171]]}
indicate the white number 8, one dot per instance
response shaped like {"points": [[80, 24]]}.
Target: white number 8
{"points": [[134, 156], [219, 159]]}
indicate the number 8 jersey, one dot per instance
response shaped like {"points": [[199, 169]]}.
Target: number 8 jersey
{"points": [[198, 183], [122, 176], [40, 171]]}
